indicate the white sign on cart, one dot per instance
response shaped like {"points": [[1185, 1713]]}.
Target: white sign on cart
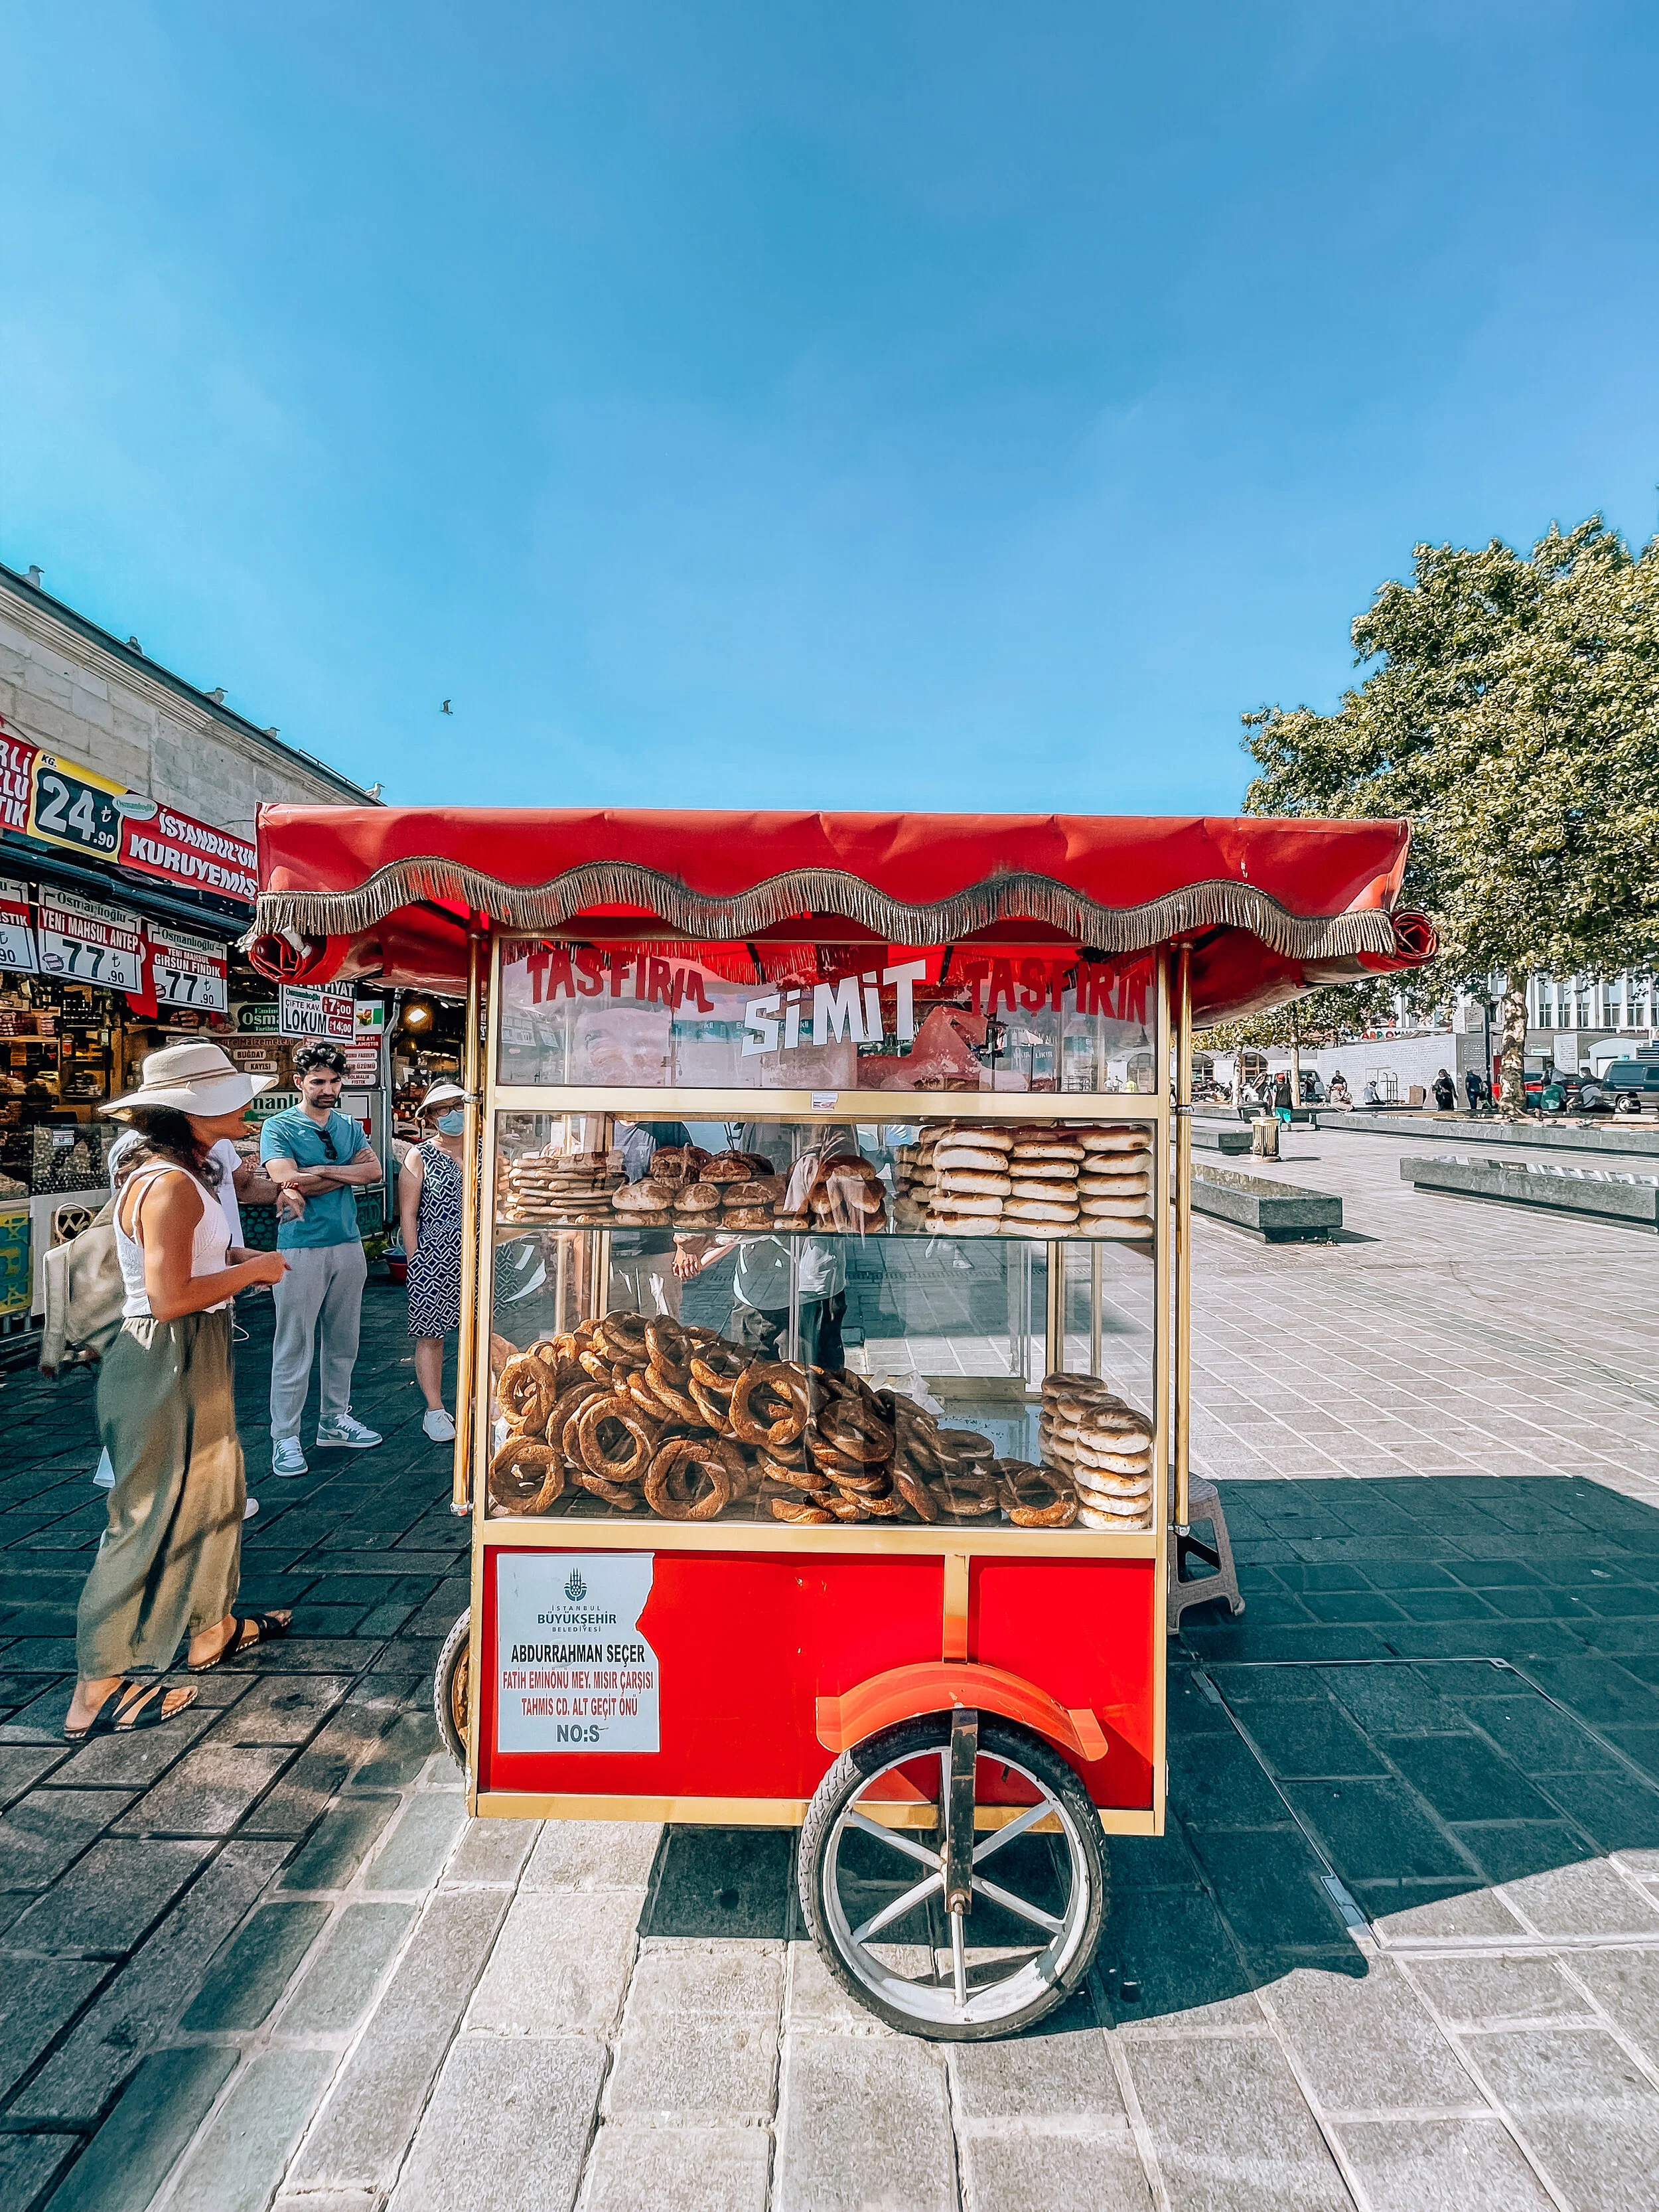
{"points": [[574, 1674]]}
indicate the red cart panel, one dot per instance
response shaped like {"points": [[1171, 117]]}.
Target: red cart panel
{"points": [[729, 1653]]}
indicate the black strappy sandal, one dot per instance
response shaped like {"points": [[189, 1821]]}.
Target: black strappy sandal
{"points": [[145, 1701], [267, 1629]]}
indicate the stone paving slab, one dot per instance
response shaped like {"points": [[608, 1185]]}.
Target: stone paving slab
{"points": [[325, 1990]]}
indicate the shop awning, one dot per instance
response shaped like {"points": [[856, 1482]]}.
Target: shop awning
{"points": [[1271, 907]]}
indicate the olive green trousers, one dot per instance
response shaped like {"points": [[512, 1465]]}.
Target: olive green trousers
{"points": [[169, 1562]]}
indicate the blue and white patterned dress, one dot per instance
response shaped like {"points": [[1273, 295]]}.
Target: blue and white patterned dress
{"points": [[434, 1265]]}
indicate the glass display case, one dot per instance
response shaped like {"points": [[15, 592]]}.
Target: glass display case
{"points": [[857, 1306]]}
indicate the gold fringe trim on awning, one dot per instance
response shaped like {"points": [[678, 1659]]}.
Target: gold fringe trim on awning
{"points": [[800, 892]]}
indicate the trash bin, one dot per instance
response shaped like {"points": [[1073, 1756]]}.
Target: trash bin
{"points": [[1264, 1137]]}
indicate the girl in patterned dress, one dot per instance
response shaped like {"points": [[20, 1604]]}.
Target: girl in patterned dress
{"points": [[429, 1214]]}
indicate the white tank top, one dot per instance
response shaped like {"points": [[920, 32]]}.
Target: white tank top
{"points": [[208, 1248]]}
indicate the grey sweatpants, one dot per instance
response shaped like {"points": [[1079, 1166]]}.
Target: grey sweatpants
{"points": [[323, 1283]]}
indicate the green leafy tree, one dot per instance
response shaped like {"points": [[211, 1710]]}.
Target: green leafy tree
{"points": [[1512, 714]]}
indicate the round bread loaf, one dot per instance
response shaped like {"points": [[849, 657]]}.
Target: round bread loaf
{"points": [[975, 1183], [982, 1157]]}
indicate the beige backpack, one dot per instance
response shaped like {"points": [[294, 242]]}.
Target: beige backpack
{"points": [[84, 1296]]}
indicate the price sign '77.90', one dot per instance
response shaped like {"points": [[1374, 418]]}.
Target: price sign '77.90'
{"points": [[81, 940]]}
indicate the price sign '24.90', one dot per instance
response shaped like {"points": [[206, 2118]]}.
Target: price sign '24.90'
{"points": [[70, 807]]}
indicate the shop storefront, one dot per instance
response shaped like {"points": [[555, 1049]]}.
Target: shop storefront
{"points": [[119, 926]]}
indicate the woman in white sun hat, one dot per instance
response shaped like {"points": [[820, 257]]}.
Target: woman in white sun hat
{"points": [[170, 1559]]}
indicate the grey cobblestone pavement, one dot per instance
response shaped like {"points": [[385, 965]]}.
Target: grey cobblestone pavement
{"points": [[1398, 1949]]}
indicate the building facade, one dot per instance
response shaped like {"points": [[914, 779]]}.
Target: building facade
{"points": [[73, 689]]}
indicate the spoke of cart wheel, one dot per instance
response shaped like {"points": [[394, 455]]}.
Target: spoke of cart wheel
{"points": [[958, 1960], [995, 1841], [898, 1908], [895, 1837], [1012, 1903]]}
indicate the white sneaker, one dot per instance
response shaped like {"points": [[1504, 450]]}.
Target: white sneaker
{"points": [[249, 1509], [286, 1458], [438, 1425], [346, 1435]]}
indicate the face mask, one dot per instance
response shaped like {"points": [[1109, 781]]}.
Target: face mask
{"points": [[450, 1125]]}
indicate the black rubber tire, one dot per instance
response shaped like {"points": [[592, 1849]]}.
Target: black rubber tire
{"points": [[852, 1772], [451, 1679]]}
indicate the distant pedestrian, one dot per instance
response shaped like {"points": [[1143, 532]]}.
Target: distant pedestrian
{"points": [[1474, 1086], [320, 1159], [430, 1215], [1282, 1100], [1446, 1093], [169, 1561]]}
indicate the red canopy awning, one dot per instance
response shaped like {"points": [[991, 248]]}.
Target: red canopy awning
{"points": [[1271, 907]]}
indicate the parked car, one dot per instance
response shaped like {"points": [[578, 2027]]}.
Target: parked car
{"points": [[1634, 1085]]}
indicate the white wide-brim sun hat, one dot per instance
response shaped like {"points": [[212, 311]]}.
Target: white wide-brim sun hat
{"points": [[193, 1079], [440, 1096]]}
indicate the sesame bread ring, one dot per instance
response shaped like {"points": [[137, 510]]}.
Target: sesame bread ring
{"points": [[564, 1410], [690, 1480], [882, 1504], [612, 1492], [914, 1492], [968, 1502], [717, 1365], [525, 1392], [1034, 1496], [856, 1433], [801, 1515], [613, 1440], [668, 1351], [525, 1477], [973, 1182], [714, 1404], [775, 1424], [966, 1448], [969, 1156]]}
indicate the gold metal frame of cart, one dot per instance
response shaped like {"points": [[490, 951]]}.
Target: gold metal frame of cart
{"points": [[1172, 1242]]}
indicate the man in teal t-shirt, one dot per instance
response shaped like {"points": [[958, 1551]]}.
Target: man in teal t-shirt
{"points": [[319, 1157]]}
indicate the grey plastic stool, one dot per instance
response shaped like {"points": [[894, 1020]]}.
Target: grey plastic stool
{"points": [[1204, 1504]]}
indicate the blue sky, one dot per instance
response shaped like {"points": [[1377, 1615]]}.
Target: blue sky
{"points": [[858, 405]]}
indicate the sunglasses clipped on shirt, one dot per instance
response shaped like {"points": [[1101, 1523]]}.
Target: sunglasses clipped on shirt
{"points": [[327, 1136]]}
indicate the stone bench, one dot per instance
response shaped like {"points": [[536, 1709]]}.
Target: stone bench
{"points": [[1614, 1134], [1282, 1212], [1227, 1137], [1601, 1192]]}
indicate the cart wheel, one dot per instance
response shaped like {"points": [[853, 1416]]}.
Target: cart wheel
{"points": [[946, 1929], [452, 1685]]}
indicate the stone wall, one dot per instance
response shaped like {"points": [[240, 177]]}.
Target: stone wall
{"points": [[102, 709]]}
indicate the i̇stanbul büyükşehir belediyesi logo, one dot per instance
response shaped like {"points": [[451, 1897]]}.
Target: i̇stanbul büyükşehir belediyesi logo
{"points": [[575, 1588]]}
